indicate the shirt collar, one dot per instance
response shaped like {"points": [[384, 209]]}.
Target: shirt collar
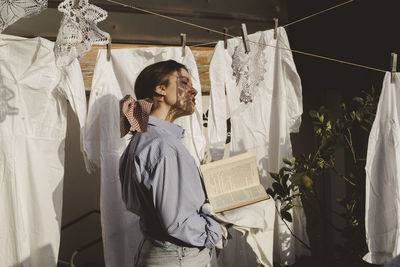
{"points": [[172, 128]]}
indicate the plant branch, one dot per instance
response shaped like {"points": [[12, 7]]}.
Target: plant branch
{"points": [[290, 230]]}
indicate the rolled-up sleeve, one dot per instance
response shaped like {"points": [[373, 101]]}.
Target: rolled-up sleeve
{"points": [[177, 197]]}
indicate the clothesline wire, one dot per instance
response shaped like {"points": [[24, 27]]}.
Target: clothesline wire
{"points": [[318, 13], [291, 23], [263, 44]]}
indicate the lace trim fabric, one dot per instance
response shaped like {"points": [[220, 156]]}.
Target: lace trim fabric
{"points": [[78, 31], [13, 10], [248, 69]]}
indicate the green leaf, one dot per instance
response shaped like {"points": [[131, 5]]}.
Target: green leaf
{"points": [[275, 176], [321, 118], [286, 207], [313, 113], [358, 100], [285, 178], [328, 125], [286, 215], [281, 172], [359, 115], [288, 162], [287, 169], [271, 192], [353, 115], [278, 189]]}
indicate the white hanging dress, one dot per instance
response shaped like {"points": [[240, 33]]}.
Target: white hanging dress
{"points": [[33, 122], [264, 99]]}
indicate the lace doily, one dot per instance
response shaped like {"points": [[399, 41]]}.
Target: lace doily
{"points": [[78, 31], [13, 10], [248, 69], [5, 109]]}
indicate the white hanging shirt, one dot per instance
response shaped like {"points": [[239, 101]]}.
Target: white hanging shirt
{"points": [[33, 122], [382, 206], [111, 82], [264, 99]]}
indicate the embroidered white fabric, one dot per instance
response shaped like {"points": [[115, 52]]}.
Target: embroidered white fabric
{"points": [[78, 30], [248, 69], [5, 96], [13, 10]]}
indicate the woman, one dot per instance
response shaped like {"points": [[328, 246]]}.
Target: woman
{"points": [[160, 179]]}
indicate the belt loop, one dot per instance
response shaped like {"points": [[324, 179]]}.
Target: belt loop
{"points": [[180, 253]]}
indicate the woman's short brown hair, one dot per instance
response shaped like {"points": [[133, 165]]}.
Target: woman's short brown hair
{"points": [[154, 75]]}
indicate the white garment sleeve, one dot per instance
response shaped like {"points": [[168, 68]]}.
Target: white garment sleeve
{"points": [[73, 88], [382, 177], [217, 129], [292, 84]]}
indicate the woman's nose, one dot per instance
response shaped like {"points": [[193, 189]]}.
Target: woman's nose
{"points": [[194, 91]]}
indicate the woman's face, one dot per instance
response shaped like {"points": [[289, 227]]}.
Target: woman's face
{"points": [[180, 94]]}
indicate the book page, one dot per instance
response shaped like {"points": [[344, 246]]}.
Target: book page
{"points": [[238, 198], [229, 175]]}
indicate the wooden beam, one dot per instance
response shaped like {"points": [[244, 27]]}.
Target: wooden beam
{"points": [[202, 56]]}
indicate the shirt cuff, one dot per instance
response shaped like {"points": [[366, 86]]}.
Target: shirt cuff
{"points": [[213, 231]]}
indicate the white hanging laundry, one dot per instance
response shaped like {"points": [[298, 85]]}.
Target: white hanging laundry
{"points": [[112, 80], [264, 99], [78, 30], [382, 206], [33, 123], [13, 10]]}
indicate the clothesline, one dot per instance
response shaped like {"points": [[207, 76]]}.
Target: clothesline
{"points": [[277, 47], [291, 23]]}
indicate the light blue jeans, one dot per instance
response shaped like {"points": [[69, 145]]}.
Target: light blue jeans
{"points": [[150, 255]]}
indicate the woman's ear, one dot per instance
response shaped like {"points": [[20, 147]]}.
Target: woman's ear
{"points": [[161, 90]]}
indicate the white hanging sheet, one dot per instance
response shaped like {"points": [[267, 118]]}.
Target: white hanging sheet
{"points": [[264, 99], [33, 122], [111, 81], [382, 212]]}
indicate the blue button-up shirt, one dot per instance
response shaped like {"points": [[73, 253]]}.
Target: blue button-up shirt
{"points": [[161, 184]]}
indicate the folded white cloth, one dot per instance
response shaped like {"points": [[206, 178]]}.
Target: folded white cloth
{"points": [[256, 223]]}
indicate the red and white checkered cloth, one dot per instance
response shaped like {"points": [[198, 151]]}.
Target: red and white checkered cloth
{"points": [[134, 114]]}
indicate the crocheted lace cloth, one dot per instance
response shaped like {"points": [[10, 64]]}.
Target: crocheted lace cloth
{"points": [[248, 69], [13, 10], [78, 30]]}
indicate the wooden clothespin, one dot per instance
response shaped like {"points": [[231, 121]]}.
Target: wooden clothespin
{"points": [[225, 37], [109, 50], [245, 38], [276, 20], [393, 66], [183, 43]]}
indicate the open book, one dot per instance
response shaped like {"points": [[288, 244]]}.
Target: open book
{"points": [[233, 182]]}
